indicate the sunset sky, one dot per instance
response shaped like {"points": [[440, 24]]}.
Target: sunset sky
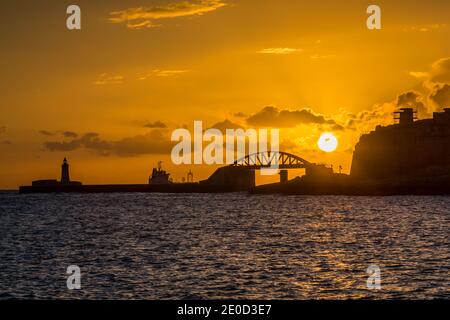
{"points": [[108, 96]]}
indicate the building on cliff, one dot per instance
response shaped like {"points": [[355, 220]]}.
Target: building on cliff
{"points": [[407, 150]]}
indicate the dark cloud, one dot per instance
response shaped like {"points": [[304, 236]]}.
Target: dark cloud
{"points": [[441, 95], [337, 127], [240, 115], [226, 124], [156, 125], [351, 124], [47, 133], [155, 142], [6, 142], [412, 99], [272, 117], [63, 146], [441, 70], [367, 115], [70, 134], [92, 141], [67, 134]]}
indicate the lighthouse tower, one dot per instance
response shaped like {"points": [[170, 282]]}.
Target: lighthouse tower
{"points": [[65, 178]]}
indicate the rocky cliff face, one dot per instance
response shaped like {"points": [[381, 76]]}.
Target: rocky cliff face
{"points": [[419, 149]]}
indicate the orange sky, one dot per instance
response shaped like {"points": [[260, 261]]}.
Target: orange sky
{"points": [[108, 96]]}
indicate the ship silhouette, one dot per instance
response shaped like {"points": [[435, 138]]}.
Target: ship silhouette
{"points": [[159, 176]]}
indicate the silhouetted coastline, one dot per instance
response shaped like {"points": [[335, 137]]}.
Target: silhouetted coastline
{"points": [[406, 158]]}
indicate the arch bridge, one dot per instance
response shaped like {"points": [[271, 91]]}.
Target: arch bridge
{"points": [[244, 178], [266, 159], [282, 160]]}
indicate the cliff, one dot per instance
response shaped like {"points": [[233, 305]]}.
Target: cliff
{"points": [[407, 151]]}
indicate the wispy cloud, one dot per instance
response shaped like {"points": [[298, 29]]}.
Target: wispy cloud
{"points": [[164, 73], [169, 73], [419, 74], [156, 125], [281, 51], [70, 134], [141, 25], [47, 133], [143, 17], [105, 78], [425, 28]]}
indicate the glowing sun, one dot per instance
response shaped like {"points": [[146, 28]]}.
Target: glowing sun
{"points": [[327, 142]]}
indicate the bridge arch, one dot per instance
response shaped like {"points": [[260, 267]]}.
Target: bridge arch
{"points": [[265, 159]]}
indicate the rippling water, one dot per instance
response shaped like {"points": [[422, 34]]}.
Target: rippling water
{"points": [[156, 246]]}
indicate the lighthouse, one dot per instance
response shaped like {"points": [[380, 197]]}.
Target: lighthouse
{"points": [[65, 178]]}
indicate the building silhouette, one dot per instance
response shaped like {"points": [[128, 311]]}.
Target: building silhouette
{"points": [[65, 178], [190, 177], [407, 149]]}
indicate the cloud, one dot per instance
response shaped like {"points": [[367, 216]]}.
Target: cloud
{"points": [[143, 17], [240, 115], [67, 134], [169, 73], [425, 28], [415, 100], [156, 125], [280, 51], [441, 70], [440, 95], [62, 146], [437, 83], [164, 73], [141, 25], [272, 117], [226, 124], [337, 127], [383, 114], [6, 142], [318, 56], [105, 79], [2, 129], [419, 74], [366, 120], [155, 142], [47, 133], [70, 134]]}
